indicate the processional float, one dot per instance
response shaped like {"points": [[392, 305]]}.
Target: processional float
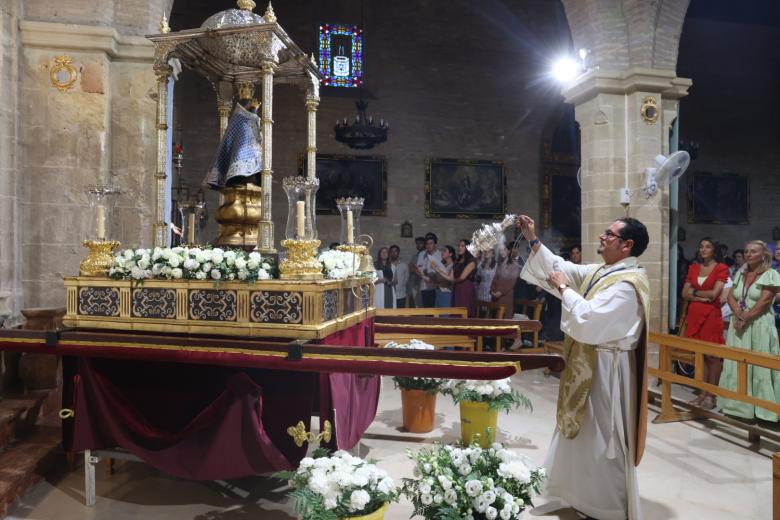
{"points": [[169, 367]]}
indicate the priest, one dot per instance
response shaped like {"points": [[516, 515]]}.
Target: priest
{"points": [[602, 400]]}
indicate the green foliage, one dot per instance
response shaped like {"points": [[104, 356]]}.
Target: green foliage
{"points": [[418, 383]]}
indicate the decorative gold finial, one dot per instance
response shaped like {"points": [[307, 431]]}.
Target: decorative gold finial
{"points": [[164, 27], [269, 15], [246, 5]]}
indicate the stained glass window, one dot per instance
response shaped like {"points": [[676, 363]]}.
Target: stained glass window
{"points": [[341, 55]]}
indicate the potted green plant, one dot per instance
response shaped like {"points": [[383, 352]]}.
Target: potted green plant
{"points": [[479, 403], [418, 394], [454, 482]]}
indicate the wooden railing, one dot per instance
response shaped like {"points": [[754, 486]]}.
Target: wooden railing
{"points": [[674, 347], [459, 312], [670, 346]]}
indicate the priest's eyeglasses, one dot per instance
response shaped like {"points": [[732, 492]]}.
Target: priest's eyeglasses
{"points": [[608, 233]]}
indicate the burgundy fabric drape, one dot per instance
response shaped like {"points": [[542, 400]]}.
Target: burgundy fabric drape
{"points": [[349, 400], [188, 427], [205, 422]]}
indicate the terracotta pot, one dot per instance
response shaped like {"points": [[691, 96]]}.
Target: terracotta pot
{"points": [[478, 423], [379, 514], [419, 409]]}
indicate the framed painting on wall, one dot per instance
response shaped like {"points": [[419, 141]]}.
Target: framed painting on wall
{"points": [[350, 176], [718, 198], [457, 188]]}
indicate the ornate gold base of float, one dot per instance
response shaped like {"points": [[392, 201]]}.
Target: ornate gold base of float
{"points": [[100, 257], [301, 262], [239, 216], [294, 309]]}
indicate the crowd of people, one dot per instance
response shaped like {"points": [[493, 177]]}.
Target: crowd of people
{"points": [[734, 301]]}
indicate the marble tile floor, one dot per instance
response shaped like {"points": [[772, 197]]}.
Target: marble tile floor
{"points": [[691, 470]]}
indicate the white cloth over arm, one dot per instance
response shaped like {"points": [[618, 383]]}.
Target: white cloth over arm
{"points": [[543, 262]]}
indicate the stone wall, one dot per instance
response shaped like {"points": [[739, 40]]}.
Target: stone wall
{"points": [[11, 228], [476, 92], [730, 113]]}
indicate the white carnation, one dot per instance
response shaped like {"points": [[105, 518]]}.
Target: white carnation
{"points": [[358, 499]]}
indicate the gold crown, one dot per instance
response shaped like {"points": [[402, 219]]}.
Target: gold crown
{"points": [[246, 91]]}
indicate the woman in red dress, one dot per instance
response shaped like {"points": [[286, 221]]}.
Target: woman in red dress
{"points": [[702, 289]]}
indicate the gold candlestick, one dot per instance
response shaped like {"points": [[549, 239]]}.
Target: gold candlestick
{"points": [[301, 262], [100, 257]]}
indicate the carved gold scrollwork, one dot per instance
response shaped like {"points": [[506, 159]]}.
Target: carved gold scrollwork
{"points": [[63, 75], [300, 435], [162, 53]]}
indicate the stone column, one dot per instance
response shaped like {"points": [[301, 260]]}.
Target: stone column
{"points": [[266, 232], [617, 144], [224, 105]]}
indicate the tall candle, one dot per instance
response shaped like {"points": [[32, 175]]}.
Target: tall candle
{"points": [[350, 228], [300, 219], [101, 222], [191, 228]]}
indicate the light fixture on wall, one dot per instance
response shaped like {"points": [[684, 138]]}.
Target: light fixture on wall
{"points": [[567, 68], [362, 133]]}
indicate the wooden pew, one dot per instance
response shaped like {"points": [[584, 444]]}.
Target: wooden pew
{"points": [[437, 340]]}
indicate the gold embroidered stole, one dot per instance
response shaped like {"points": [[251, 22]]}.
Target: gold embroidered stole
{"points": [[577, 376]]}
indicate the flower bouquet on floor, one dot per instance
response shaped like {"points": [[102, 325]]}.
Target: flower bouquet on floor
{"points": [[479, 403], [333, 487], [453, 483], [418, 394]]}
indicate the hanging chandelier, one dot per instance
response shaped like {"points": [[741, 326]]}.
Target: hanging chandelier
{"points": [[363, 133]]}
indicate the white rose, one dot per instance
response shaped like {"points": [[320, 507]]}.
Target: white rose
{"points": [[262, 275], [176, 273], [451, 496], [491, 513], [166, 254], [231, 276], [174, 261], [254, 255], [217, 258], [473, 488], [207, 267], [191, 264], [252, 264], [266, 266], [438, 498], [426, 499], [156, 254], [200, 275], [167, 271], [306, 462], [129, 254], [143, 263], [240, 264], [216, 274], [242, 275]]}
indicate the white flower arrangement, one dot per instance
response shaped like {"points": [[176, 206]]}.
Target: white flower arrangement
{"points": [[428, 384], [190, 264], [499, 394], [338, 486], [471, 483], [339, 264]]}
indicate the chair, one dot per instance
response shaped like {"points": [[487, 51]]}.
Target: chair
{"points": [[532, 309], [490, 310]]}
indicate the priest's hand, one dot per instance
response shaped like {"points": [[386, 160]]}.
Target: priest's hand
{"points": [[557, 279], [527, 227]]}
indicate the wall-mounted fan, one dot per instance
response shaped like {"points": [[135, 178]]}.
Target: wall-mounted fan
{"points": [[666, 170]]}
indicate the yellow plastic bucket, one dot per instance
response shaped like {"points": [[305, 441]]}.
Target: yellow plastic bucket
{"points": [[379, 514], [478, 423]]}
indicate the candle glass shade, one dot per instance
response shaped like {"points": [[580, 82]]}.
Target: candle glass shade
{"points": [[102, 200], [190, 221], [349, 209], [302, 207]]}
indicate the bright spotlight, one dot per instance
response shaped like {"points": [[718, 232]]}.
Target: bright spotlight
{"points": [[565, 69]]}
